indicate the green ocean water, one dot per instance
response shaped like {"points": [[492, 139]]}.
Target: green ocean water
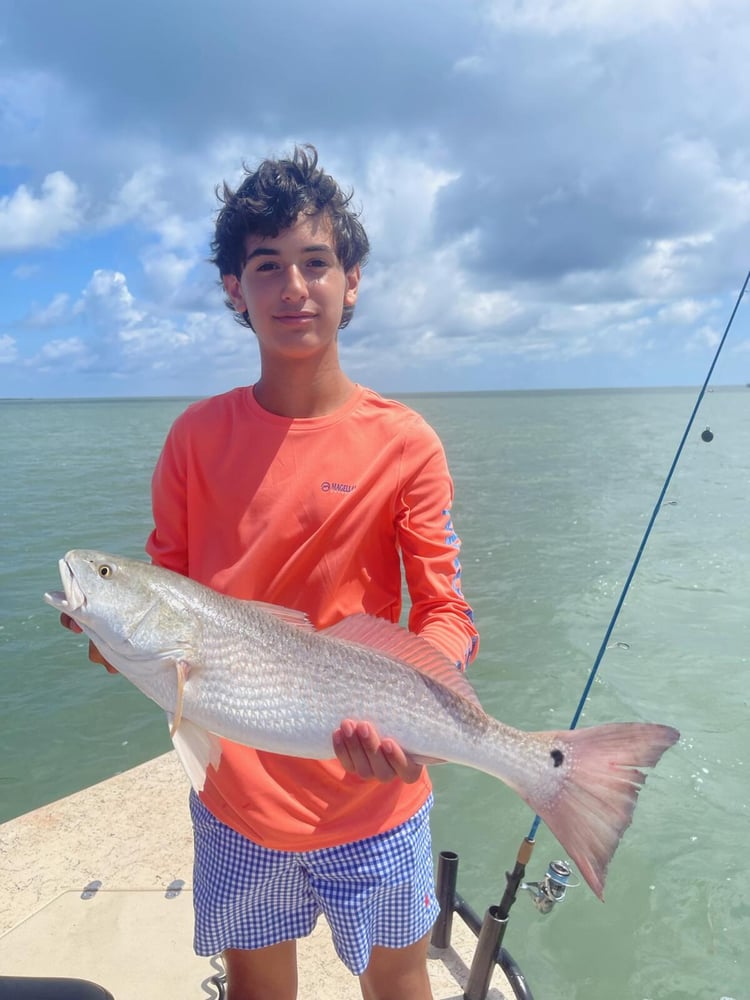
{"points": [[553, 494]]}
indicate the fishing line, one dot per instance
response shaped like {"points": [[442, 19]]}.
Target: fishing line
{"points": [[647, 532]]}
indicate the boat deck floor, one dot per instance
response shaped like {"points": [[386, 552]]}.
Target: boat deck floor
{"points": [[97, 886]]}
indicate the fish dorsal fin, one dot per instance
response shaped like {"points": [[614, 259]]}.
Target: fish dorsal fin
{"points": [[399, 643], [297, 618]]}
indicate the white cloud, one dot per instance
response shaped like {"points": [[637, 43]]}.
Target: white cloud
{"points": [[166, 271], [175, 241], [146, 199], [8, 349], [604, 17], [685, 311], [25, 271], [136, 338], [62, 355], [137, 197], [665, 268], [107, 300], [398, 194], [28, 221], [54, 313], [706, 336]]}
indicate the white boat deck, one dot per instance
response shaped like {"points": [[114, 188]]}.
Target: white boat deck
{"points": [[97, 886]]}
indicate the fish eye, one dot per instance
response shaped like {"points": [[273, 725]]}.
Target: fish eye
{"points": [[105, 571]]}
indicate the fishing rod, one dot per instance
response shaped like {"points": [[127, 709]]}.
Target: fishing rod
{"points": [[551, 890]]}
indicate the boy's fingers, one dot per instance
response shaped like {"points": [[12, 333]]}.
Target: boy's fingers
{"points": [[401, 763], [96, 657], [341, 750], [67, 622], [361, 751], [356, 748]]}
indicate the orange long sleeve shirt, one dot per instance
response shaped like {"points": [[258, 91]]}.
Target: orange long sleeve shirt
{"points": [[318, 515]]}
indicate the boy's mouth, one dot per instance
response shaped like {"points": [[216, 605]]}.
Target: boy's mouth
{"points": [[295, 316]]}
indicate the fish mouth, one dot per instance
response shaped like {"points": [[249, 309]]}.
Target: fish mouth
{"points": [[71, 598]]}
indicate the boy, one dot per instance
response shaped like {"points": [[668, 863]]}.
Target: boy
{"points": [[309, 491]]}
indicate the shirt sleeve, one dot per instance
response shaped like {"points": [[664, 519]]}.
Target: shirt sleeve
{"points": [[167, 545], [430, 550]]}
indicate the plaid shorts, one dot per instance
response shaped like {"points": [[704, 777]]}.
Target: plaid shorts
{"points": [[377, 891]]}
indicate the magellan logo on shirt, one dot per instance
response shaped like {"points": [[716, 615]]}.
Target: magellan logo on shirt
{"points": [[327, 487]]}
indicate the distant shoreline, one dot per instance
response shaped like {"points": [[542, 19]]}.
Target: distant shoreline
{"points": [[432, 393]]}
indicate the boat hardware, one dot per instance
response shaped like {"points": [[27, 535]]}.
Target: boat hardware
{"points": [[489, 931]]}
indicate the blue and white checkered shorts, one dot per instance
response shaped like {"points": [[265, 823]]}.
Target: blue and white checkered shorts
{"points": [[378, 891]]}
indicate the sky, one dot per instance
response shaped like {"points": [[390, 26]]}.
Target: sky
{"points": [[557, 192]]}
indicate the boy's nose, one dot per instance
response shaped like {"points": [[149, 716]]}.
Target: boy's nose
{"points": [[295, 286]]}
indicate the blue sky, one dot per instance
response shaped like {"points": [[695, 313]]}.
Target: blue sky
{"points": [[557, 193]]}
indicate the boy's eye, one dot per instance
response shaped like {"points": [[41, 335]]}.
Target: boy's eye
{"points": [[272, 265]]}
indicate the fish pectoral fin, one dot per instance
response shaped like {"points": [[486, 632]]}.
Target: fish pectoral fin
{"points": [[183, 672], [197, 750]]}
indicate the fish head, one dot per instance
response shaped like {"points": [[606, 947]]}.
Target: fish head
{"points": [[131, 611]]}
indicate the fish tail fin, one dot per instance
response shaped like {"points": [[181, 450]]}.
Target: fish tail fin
{"points": [[591, 804]]}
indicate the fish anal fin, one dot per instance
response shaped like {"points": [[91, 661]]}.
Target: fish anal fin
{"points": [[197, 750], [397, 642], [600, 778]]}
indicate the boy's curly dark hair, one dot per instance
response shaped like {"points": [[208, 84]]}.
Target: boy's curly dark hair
{"points": [[271, 199]]}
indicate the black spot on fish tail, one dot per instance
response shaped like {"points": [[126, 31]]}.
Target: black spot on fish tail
{"points": [[557, 756]]}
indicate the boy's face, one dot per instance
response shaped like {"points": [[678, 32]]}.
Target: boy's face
{"points": [[294, 289]]}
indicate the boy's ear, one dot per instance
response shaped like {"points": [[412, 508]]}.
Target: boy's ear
{"points": [[352, 285], [234, 291]]}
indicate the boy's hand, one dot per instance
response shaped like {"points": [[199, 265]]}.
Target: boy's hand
{"points": [[94, 655], [361, 751]]}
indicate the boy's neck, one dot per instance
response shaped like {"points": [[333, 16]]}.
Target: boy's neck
{"points": [[298, 394]]}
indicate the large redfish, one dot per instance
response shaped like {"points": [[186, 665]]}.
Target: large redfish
{"points": [[263, 676]]}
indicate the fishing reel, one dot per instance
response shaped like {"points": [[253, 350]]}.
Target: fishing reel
{"points": [[552, 888]]}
